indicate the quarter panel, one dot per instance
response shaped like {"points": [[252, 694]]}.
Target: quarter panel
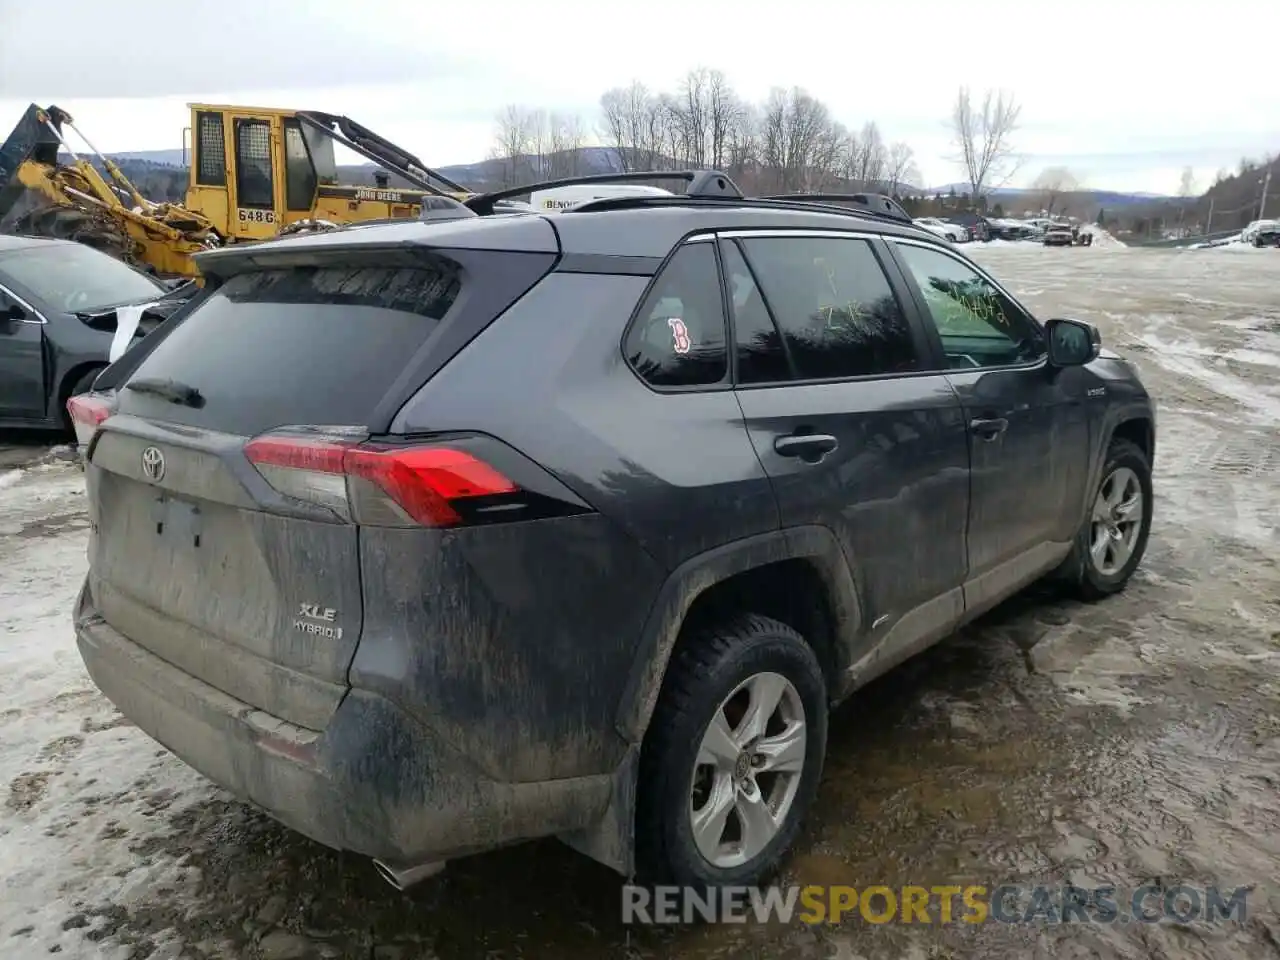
{"points": [[512, 642], [676, 471]]}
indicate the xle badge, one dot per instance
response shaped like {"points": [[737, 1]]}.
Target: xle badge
{"points": [[315, 619], [679, 335]]}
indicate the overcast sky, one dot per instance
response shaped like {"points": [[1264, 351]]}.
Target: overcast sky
{"points": [[1123, 92]]}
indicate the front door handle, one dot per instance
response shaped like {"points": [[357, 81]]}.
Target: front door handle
{"points": [[989, 428], [810, 447]]}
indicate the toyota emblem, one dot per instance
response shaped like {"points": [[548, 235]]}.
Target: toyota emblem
{"points": [[153, 464]]}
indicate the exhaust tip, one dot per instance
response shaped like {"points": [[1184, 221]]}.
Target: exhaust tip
{"points": [[404, 877]]}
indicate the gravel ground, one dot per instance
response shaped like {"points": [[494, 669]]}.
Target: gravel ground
{"points": [[1133, 741]]}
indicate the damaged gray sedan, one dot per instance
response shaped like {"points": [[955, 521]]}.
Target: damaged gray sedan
{"points": [[61, 306]]}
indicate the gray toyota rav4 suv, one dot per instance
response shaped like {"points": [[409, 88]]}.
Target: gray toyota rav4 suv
{"points": [[431, 537]]}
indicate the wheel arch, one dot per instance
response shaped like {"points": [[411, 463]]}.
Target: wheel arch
{"points": [[806, 559], [1132, 421], [814, 549], [1138, 430]]}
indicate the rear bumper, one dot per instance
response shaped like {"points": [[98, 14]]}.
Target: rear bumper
{"points": [[375, 781]]}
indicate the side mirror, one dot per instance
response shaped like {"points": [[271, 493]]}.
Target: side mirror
{"points": [[11, 315], [1072, 343]]}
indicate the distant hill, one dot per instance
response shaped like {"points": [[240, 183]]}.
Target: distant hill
{"points": [[1236, 198], [162, 175], [478, 175], [169, 158], [1230, 203], [1007, 195]]}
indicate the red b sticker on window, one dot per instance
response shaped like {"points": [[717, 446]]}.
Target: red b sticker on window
{"points": [[679, 335]]}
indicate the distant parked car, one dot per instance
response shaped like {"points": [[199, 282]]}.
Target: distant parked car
{"points": [[58, 303], [1256, 228], [1011, 230], [948, 231], [1059, 235], [1267, 234], [978, 227]]}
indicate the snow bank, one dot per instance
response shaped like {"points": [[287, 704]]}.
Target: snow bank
{"points": [[84, 796], [1239, 246], [1101, 238]]}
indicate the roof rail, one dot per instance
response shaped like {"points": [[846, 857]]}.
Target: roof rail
{"points": [[702, 183], [625, 203], [876, 203]]}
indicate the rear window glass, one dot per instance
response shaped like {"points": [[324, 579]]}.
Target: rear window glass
{"points": [[302, 346]]}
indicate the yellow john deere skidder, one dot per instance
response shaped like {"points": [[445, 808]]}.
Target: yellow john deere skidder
{"points": [[254, 174]]}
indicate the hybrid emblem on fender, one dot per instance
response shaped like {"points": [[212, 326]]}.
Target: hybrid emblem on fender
{"points": [[314, 619], [153, 464]]}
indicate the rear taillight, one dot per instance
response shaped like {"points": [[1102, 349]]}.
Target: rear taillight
{"points": [[87, 414], [377, 485]]}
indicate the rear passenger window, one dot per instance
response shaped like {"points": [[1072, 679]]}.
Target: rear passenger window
{"points": [[761, 358], [834, 306], [677, 339]]}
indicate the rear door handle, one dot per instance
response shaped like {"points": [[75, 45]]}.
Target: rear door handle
{"points": [[810, 447], [989, 429]]}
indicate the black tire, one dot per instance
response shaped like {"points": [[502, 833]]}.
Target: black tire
{"points": [[702, 674], [1080, 570], [82, 385]]}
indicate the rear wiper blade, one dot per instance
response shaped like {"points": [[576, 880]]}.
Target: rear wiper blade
{"points": [[170, 390]]}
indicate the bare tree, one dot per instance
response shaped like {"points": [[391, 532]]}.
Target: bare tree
{"points": [[1052, 183], [565, 139], [789, 143], [540, 144], [901, 165], [743, 148], [796, 133], [725, 113], [690, 115], [870, 157], [513, 142], [984, 138], [626, 112], [1187, 183], [658, 142]]}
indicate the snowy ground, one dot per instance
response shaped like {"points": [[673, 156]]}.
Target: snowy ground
{"points": [[1133, 740]]}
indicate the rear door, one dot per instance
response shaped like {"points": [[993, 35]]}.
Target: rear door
{"points": [[854, 431], [194, 554]]}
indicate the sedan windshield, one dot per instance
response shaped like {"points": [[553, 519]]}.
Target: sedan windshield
{"points": [[73, 278]]}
